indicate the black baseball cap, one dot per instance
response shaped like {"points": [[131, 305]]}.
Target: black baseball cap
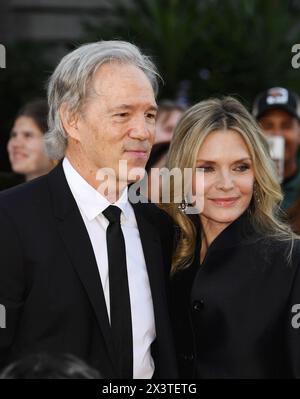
{"points": [[277, 98]]}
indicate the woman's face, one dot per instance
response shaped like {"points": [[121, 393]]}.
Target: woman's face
{"points": [[228, 177], [26, 149]]}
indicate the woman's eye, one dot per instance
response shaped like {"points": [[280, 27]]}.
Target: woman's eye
{"points": [[206, 168], [13, 134], [28, 135], [242, 168]]}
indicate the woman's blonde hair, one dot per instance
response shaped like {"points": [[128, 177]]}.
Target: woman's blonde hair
{"points": [[194, 126]]}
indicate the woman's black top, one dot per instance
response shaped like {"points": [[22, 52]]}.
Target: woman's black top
{"points": [[237, 315]]}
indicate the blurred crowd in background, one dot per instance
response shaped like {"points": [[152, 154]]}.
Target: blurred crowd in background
{"points": [[199, 55]]}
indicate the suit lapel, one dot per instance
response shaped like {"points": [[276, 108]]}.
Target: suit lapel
{"points": [[79, 248]]}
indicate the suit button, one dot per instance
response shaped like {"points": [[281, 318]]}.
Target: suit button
{"points": [[198, 305]]}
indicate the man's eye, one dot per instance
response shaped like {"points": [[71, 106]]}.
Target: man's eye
{"points": [[266, 125], [151, 116], [287, 126], [121, 115]]}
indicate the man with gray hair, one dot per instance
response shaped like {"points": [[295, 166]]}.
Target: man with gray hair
{"points": [[83, 270]]}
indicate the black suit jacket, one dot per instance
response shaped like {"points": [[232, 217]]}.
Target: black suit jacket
{"points": [[49, 279], [233, 314]]}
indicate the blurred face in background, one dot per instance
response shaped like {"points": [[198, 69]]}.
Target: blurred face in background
{"points": [[167, 120], [278, 122], [228, 179], [26, 149]]}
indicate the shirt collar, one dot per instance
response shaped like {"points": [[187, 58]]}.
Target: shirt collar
{"points": [[89, 200]]}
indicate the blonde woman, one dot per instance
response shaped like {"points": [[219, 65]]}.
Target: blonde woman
{"points": [[235, 285]]}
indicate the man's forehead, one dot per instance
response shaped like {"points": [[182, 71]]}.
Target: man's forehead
{"points": [[113, 100], [133, 104], [277, 113], [119, 74], [124, 98]]}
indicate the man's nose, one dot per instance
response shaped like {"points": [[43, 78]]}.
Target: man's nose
{"points": [[140, 129]]}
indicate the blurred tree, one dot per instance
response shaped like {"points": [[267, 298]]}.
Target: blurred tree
{"points": [[166, 29], [247, 47], [217, 46]]}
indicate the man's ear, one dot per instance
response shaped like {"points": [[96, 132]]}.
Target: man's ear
{"points": [[69, 121]]}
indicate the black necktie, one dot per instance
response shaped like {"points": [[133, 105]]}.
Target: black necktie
{"points": [[120, 311]]}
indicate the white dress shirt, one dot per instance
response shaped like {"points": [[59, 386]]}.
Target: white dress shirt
{"points": [[91, 205]]}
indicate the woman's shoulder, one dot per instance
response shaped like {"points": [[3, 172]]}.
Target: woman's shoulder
{"points": [[278, 252]]}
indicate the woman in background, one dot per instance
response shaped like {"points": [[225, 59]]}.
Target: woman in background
{"points": [[26, 147], [235, 285]]}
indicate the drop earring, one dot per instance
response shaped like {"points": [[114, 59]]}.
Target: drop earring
{"points": [[183, 205]]}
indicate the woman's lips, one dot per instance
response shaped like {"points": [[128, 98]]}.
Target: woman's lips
{"points": [[224, 202]]}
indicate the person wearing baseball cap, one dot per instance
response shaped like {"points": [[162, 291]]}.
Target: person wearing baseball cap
{"points": [[278, 112]]}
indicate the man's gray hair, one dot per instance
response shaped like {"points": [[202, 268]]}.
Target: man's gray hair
{"points": [[70, 82]]}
